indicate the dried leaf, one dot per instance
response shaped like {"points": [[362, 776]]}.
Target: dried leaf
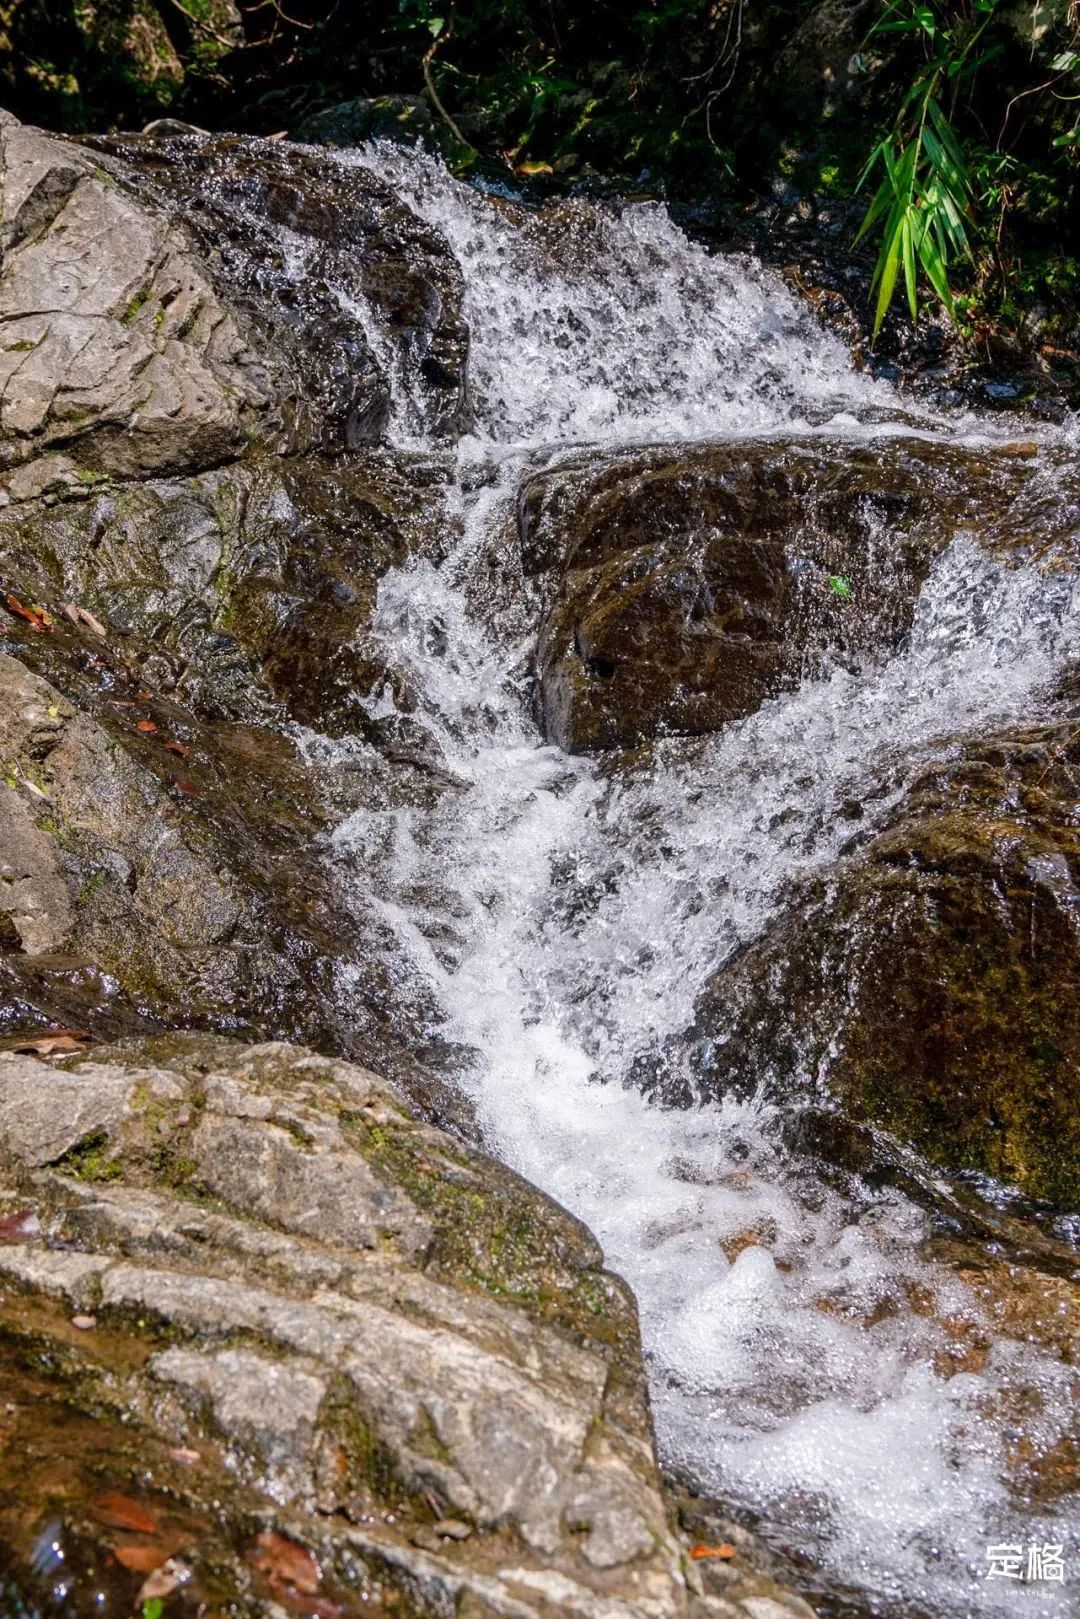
{"points": [[179, 748], [187, 1458], [698, 1552], [47, 1044], [121, 1512], [36, 620], [146, 725], [286, 1562], [82, 615], [19, 1226], [140, 1559], [186, 786]]}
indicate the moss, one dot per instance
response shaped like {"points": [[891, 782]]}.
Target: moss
{"points": [[141, 298], [90, 887], [491, 1236], [92, 1160]]}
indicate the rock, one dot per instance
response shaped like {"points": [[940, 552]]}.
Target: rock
{"points": [[152, 320], [341, 281], [681, 589], [932, 980], [492, 1369], [173, 871], [113, 344], [350, 123]]}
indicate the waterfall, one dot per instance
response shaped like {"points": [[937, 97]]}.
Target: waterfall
{"points": [[564, 914]]}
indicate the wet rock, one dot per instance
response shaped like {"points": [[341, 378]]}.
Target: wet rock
{"points": [[681, 589], [310, 249], [349, 123], [165, 840], [931, 981], [151, 886], [206, 583], [168, 303], [467, 1413]]}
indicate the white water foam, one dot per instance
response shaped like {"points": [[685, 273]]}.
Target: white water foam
{"points": [[793, 1366], [595, 327]]}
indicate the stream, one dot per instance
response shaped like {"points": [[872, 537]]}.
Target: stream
{"points": [[562, 913]]}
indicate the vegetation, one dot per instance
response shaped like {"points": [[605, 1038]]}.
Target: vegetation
{"points": [[946, 193], [962, 115]]}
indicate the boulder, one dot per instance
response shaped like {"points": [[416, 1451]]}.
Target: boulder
{"points": [[349, 288], [430, 1390], [399, 118], [680, 589], [930, 983], [169, 303]]}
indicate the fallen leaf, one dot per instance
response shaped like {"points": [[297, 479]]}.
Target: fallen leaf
{"points": [[179, 748], [140, 1559], [186, 786], [146, 725], [698, 1552], [121, 1512], [286, 1562], [36, 620], [82, 615], [52, 1041]]}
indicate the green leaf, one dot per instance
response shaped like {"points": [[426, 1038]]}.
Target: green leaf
{"points": [[840, 585], [435, 25], [909, 268]]}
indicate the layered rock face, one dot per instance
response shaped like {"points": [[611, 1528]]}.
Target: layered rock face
{"points": [[161, 832], [137, 342], [408, 1359]]}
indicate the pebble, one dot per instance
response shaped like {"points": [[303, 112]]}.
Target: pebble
{"points": [[84, 1322], [453, 1529]]}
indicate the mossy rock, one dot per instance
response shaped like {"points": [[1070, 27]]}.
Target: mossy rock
{"points": [[931, 981]]}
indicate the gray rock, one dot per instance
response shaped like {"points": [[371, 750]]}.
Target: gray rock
{"points": [[112, 340], [351, 1341], [141, 325]]}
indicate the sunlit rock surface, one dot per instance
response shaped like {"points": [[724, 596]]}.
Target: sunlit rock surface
{"points": [[684, 588], [361, 1318], [174, 323]]}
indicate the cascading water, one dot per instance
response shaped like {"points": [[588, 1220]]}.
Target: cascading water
{"points": [[564, 917]]}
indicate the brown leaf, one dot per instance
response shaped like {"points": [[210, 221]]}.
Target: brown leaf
{"points": [[121, 1512], [36, 619], [186, 786], [46, 1045], [140, 1559], [698, 1552], [179, 748], [82, 615], [146, 725], [286, 1562]]}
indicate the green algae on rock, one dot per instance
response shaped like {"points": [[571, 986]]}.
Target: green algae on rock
{"points": [[931, 981]]}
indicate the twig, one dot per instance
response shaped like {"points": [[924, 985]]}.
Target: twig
{"points": [[203, 27], [429, 56]]}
